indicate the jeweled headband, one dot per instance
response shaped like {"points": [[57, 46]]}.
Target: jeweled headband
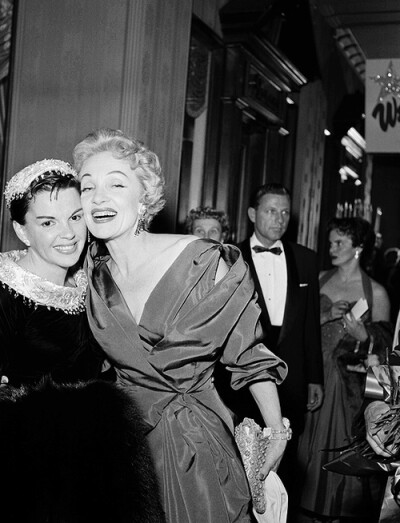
{"points": [[19, 184]]}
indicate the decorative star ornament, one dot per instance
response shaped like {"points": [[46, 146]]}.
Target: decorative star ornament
{"points": [[390, 83]]}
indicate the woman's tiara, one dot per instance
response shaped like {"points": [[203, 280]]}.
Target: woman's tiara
{"points": [[20, 182]]}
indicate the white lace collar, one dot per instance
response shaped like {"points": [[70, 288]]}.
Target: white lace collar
{"points": [[39, 291]]}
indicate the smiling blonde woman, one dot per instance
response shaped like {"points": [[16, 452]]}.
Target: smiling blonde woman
{"points": [[165, 308]]}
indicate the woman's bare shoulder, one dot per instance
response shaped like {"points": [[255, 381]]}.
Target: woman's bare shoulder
{"points": [[381, 303], [168, 246], [182, 239], [322, 274], [378, 289], [329, 281], [171, 241]]}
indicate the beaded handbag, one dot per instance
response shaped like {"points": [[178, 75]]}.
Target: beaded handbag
{"points": [[253, 443]]}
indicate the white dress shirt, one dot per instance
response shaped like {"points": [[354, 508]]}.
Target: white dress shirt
{"points": [[272, 274]]}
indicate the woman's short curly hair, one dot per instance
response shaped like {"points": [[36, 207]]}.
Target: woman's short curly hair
{"points": [[200, 213], [360, 232], [144, 162]]}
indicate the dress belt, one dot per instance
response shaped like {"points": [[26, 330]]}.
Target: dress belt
{"points": [[158, 403]]}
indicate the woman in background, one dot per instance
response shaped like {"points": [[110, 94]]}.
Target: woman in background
{"points": [[165, 308], [349, 346], [206, 222], [63, 443]]}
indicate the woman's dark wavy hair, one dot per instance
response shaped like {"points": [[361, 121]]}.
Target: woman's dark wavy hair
{"points": [[360, 232], [51, 182]]}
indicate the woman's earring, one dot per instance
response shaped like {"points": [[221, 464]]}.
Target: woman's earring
{"points": [[89, 238], [141, 222], [357, 255]]}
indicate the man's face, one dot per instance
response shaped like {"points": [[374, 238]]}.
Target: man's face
{"points": [[271, 218]]}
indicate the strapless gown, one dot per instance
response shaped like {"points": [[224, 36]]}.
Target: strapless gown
{"points": [[327, 493]]}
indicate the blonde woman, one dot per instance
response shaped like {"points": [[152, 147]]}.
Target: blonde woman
{"points": [[165, 308]]}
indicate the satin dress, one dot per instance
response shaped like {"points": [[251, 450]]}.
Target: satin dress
{"points": [[166, 363]]}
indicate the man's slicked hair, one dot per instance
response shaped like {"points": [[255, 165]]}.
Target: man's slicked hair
{"points": [[268, 188]]}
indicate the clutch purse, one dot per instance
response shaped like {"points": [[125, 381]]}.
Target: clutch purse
{"points": [[253, 443]]}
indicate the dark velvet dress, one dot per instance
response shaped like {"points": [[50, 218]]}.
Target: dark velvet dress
{"points": [[38, 340], [332, 426], [167, 362], [72, 448]]}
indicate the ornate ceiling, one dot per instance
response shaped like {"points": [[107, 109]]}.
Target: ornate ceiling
{"points": [[363, 28]]}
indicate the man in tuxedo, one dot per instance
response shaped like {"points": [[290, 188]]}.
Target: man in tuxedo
{"points": [[286, 280]]}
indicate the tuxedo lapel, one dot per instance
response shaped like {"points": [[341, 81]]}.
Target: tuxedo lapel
{"points": [[292, 292], [246, 252]]}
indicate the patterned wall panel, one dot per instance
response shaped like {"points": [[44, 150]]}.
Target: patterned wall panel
{"points": [[309, 163], [154, 86], [82, 65]]}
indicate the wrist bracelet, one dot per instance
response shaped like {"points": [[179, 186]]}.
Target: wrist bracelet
{"points": [[285, 433]]}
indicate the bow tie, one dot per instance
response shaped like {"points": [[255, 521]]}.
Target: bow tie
{"points": [[273, 250]]}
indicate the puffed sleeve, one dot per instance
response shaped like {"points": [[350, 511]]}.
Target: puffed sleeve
{"points": [[244, 355]]}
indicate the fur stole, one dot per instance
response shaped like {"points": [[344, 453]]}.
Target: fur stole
{"points": [[74, 453]]}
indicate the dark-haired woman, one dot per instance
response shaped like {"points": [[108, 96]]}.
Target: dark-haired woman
{"points": [[43, 326], [63, 438], [349, 346]]}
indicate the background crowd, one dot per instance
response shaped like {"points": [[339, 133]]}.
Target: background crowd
{"points": [[335, 382]]}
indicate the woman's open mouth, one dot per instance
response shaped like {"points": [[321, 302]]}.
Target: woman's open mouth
{"points": [[66, 249], [103, 215]]}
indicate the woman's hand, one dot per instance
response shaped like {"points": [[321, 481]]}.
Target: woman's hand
{"points": [[372, 360], [338, 309], [334, 312], [315, 396], [275, 450], [266, 397], [354, 327], [371, 415]]}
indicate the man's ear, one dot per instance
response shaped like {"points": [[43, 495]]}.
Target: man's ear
{"points": [[251, 212], [21, 233]]}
